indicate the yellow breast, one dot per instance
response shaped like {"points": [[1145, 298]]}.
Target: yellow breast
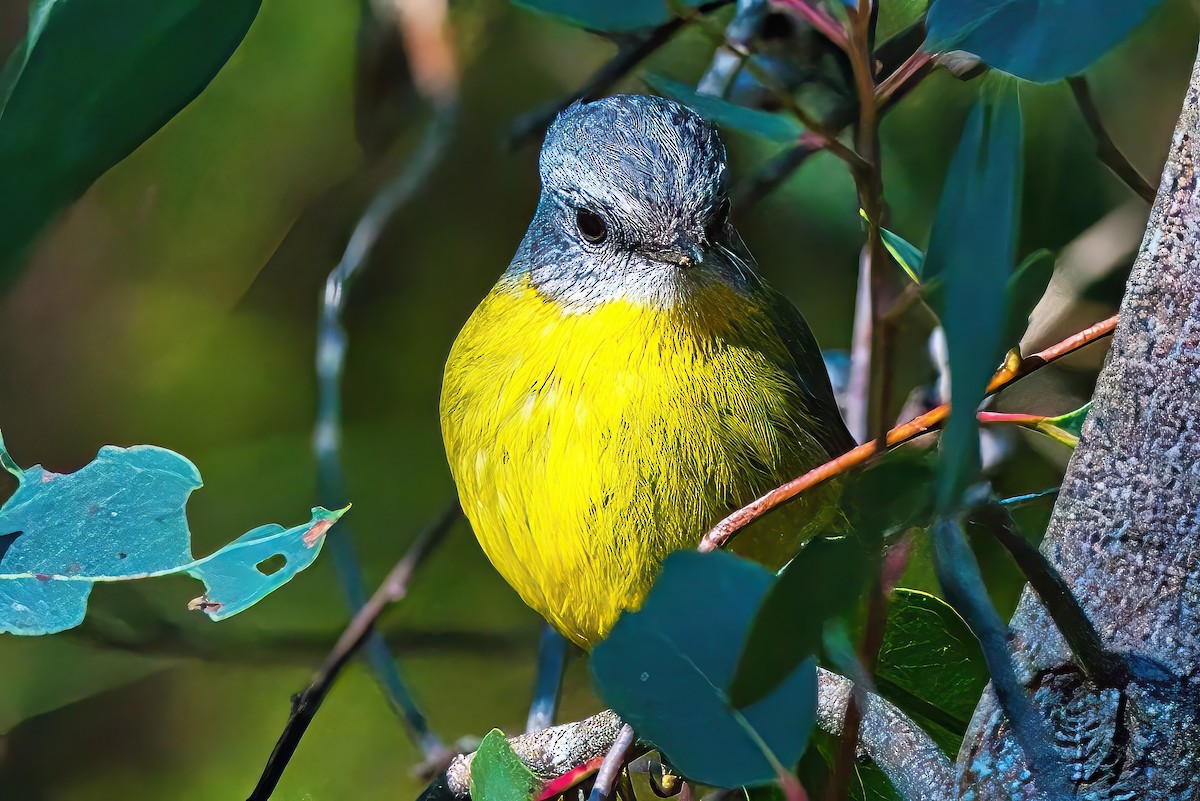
{"points": [[586, 446]]}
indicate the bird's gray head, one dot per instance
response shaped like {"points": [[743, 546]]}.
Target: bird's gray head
{"points": [[633, 206]]}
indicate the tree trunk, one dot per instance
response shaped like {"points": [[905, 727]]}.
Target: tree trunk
{"points": [[1125, 535]]}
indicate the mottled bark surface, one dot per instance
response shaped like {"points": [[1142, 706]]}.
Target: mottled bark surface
{"points": [[1125, 536]]}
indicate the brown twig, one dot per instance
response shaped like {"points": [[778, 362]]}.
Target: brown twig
{"points": [[1012, 371], [819, 19], [1106, 148], [868, 179], [307, 702], [783, 166], [907, 75]]}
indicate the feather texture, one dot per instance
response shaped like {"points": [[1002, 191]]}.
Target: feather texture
{"points": [[587, 447]]}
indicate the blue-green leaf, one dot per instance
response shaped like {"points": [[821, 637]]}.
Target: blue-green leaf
{"points": [[498, 774], [763, 124], [90, 82], [971, 251], [824, 580], [608, 16], [122, 517], [666, 671], [1039, 40]]}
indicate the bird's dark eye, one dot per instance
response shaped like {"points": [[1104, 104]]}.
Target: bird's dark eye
{"points": [[591, 226], [719, 220]]}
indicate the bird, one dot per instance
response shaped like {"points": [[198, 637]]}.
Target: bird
{"points": [[631, 379]]}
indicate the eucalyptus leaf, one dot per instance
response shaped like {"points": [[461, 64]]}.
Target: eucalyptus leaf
{"points": [[498, 774], [930, 661], [971, 251], [609, 16], [1039, 40], [122, 517], [825, 580], [89, 83], [908, 256], [762, 124], [666, 670]]}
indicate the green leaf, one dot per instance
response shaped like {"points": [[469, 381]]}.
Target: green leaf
{"points": [[1025, 289], [972, 250], [930, 661], [1066, 428], [609, 16], [892, 495], [909, 257], [824, 581], [666, 669], [896, 15], [122, 517], [763, 124], [91, 82], [1039, 40], [498, 774]]}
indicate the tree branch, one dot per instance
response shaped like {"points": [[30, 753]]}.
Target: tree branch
{"points": [[306, 703], [1007, 375], [1102, 666], [1106, 148], [912, 761]]}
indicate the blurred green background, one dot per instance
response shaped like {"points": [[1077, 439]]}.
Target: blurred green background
{"points": [[175, 304]]}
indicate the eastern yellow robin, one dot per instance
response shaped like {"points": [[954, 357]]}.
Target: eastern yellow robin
{"points": [[631, 379]]}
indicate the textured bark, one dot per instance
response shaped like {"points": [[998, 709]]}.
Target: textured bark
{"points": [[1125, 536], [912, 761]]}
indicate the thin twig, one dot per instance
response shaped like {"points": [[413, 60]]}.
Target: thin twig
{"points": [[858, 389], [907, 75], [307, 702], [958, 574], [727, 529], [829, 137], [783, 166], [868, 179], [1104, 667], [431, 56], [614, 760], [167, 641], [819, 19], [629, 55], [1106, 148]]}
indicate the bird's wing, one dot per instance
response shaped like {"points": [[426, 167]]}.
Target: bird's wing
{"points": [[811, 373]]}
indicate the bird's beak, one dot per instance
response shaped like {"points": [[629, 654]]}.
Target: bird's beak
{"points": [[682, 253]]}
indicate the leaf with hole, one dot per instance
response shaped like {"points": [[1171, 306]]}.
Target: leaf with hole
{"points": [[609, 16], [122, 517], [1039, 40], [498, 774], [90, 82], [722, 113], [972, 251], [666, 670]]}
